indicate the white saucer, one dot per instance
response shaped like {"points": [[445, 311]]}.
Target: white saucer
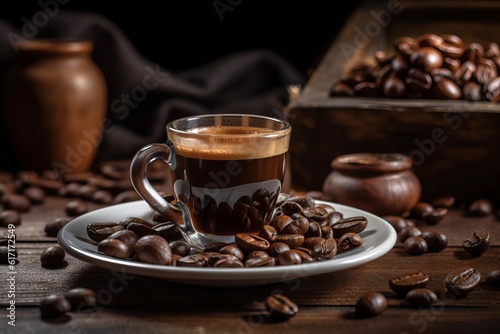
{"points": [[378, 238]]}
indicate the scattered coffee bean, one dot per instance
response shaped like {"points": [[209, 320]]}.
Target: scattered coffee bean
{"points": [[102, 197], [7, 255], [36, 195], [10, 217], [52, 257], [444, 202], [421, 210], [477, 243], [371, 304], [280, 307], [462, 281], [16, 202], [52, 228], [409, 231], [398, 222], [404, 283], [436, 216], [480, 208], [76, 207], [81, 298], [436, 241], [421, 298], [493, 277], [415, 245], [54, 306]]}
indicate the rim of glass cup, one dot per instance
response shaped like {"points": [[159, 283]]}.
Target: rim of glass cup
{"points": [[284, 129]]}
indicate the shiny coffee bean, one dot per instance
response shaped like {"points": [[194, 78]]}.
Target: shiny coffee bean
{"points": [[436, 241], [228, 263], [81, 298], [493, 277], [195, 260], [446, 89], [415, 245], [52, 228], [371, 304], [348, 241], [7, 255], [52, 257], [305, 256], [269, 233], [410, 231], [402, 284], [304, 201], [394, 87], [355, 224], [168, 231], [421, 210], [327, 232], [480, 208], [290, 207], [260, 262], [141, 229], [436, 216], [127, 236], [333, 218], [276, 248], [249, 242], [153, 249], [289, 257], [299, 225], [19, 203], [366, 89], [214, 258], [256, 254], [292, 240], [233, 250], [398, 222], [280, 307], [180, 247], [443, 202], [471, 91], [54, 306], [462, 281], [98, 231], [477, 243], [421, 298], [115, 248], [36, 195], [215, 246], [427, 59], [318, 214], [418, 81], [76, 207], [325, 249], [10, 217], [314, 230]]}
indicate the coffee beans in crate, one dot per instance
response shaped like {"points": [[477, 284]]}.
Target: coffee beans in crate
{"points": [[429, 66], [301, 231]]}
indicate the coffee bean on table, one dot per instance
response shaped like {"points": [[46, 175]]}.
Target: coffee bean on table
{"points": [[16, 202], [52, 257], [102, 197], [477, 243], [421, 298], [81, 298], [415, 245], [36, 195], [397, 222], [409, 231], [371, 304], [280, 307], [6, 255], [436, 241], [480, 208], [10, 217], [462, 281], [76, 207], [52, 228], [443, 202], [493, 277], [54, 306], [421, 210], [402, 284], [436, 216]]}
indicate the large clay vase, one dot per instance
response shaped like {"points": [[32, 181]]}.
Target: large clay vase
{"points": [[55, 104]]}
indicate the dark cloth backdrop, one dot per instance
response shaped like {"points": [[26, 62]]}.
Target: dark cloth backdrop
{"points": [[247, 82]]}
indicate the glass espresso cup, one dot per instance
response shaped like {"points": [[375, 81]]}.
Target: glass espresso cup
{"points": [[227, 172]]}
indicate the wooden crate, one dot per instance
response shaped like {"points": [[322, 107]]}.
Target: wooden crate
{"points": [[455, 145]]}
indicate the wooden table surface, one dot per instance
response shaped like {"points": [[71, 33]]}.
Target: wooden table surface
{"points": [[137, 304]]}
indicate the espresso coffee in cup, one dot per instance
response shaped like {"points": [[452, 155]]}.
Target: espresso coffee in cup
{"points": [[227, 172]]}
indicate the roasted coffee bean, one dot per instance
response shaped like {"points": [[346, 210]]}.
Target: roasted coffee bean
{"points": [[76, 207], [329, 208], [280, 308], [436, 241], [249, 242], [333, 218], [436, 216], [462, 281], [306, 257], [276, 248], [214, 258], [477, 243], [10, 217], [325, 249], [421, 210], [7, 255], [427, 59], [327, 232], [256, 254], [465, 72], [443, 202], [54, 306], [410, 231], [446, 89], [415, 245], [473, 52], [493, 277], [299, 225], [398, 222], [16, 202], [349, 240], [169, 231], [394, 87], [355, 224], [280, 222], [371, 304], [233, 250], [52, 257], [289, 257], [153, 249], [418, 81], [366, 89], [406, 46], [480, 208], [195, 260], [141, 229], [127, 236], [115, 248], [215, 246], [421, 298], [86, 191], [269, 233], [404, 283], [471, 91], [260, 262], [102, 197], [180, 247], [290, 207], [292, 240], [314, 230], [317, 214], [228, 263], [451, 64], [36, 195], [69, 190], [52, 228], [306, 250], [128, 220], [98, 231], [81, 298], [303, 201]]}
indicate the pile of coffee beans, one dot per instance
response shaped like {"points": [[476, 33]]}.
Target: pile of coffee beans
{"points": [[302, 231], [428, 66]]}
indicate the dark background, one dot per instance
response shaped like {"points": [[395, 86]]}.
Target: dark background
{"points": [[186, 34]]}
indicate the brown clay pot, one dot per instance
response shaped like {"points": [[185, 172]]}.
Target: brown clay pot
{"points": [[380, 183], [55, 103]]}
